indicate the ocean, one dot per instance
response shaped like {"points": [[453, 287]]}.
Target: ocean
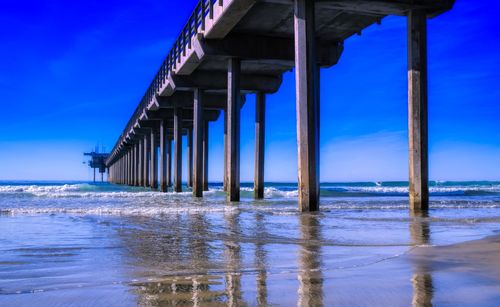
{"points": [[78, 243]]}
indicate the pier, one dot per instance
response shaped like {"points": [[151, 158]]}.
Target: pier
{"points": [[97, 161], [232, 48]]}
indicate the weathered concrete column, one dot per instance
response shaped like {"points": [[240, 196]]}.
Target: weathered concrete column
{"points": [[260, 111], [125, 170], [168, 150], [134, 163], [146, 160], [120, 170], [154, 161], [198, 144], [178, 149], [205, 155], [129, 170], [141, 162], [190, 157], [233, 126], [131, 154], [137, 165], [163, 155], [129, 175], [307, 95], [225, 150], [417, 111]]}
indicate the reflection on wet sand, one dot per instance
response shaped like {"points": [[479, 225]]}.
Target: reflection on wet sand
{"points": [[232, 254], [260, 260], [310, 276], [197, 261], [191, 260], [182, 254], [423, 289], [175, 291]]}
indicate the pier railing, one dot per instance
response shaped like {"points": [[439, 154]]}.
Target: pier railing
{"points": [[197, 21]]}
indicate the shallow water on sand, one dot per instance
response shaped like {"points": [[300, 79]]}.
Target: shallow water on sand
{"points": [[81, 244]]}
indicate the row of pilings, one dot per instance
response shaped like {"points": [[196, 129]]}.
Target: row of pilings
{"points": [[137, 163]]}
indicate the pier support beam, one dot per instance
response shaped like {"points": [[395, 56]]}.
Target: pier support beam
{"points": [[136, 164], [163, 156], [129, 168], [125, 168], [146, 160], [190, 158], [141, 162], [417, 111], [307, 95], [198, 152], [132, 165], [226, 159], [132, 151], [154, 161], [177, 149], [260, 109], [233, 126], [205, 155], [168, 150], [118, 171]]}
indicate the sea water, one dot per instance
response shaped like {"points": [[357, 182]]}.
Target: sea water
{"points": [[77, 243]]}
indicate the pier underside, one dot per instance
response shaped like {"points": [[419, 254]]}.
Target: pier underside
{"points": [[231, 48]]}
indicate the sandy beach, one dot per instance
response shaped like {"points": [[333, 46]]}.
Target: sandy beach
{"points": [[470, 271], [82, 245]]}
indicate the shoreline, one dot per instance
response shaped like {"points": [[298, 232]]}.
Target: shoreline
{"points": [[479, 256]]}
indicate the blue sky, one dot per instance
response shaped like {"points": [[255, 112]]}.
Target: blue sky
{"points": [[71, 74]]}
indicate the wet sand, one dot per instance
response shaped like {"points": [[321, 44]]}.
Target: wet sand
{"points": [[106, 245], [250, 255], [470, 271]]}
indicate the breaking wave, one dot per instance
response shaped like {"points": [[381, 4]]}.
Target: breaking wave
{"points": [[85, 190]]}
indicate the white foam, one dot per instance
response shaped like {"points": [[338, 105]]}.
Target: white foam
{"points": [[39, 189], [120, 211], [91, 191], [86, 191]]}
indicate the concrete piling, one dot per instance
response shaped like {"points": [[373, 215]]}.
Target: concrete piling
{"points": [[163, 155], [205, 155], [417, 110], [307, 103], [178, 149], [233, 126], [198, 143]]}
